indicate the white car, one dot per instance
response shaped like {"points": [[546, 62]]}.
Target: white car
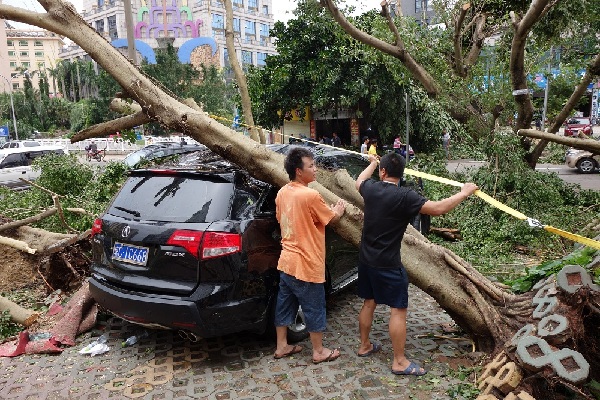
{"points": [[17, 144], [585, 161], [16, 163]]}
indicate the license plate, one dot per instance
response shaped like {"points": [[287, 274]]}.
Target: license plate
{"points": [[129, 253]]}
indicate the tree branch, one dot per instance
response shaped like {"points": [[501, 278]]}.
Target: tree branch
{"points": [[385, 11], [458, 57], [396, 51], [583, 144], [27, 221], [240, 77]]}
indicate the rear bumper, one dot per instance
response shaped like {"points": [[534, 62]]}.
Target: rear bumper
{"points": [[189, 314]]}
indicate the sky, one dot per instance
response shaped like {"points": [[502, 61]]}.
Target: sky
{"points": [[282, 9]]}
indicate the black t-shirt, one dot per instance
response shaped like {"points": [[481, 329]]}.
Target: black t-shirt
{"points": [[388, 210]]}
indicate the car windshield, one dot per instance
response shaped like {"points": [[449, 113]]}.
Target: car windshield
{"points": [[173, 198], [579, 121], [30, 144]]}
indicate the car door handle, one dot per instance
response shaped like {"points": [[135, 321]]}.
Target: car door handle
{"points": [[23, 172]]}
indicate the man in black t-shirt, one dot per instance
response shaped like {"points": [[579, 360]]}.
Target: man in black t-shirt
{"points": [[382, 278]]}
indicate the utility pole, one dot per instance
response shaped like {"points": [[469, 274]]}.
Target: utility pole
{"points": [[548, 74]]}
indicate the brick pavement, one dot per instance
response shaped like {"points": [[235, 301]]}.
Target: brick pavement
{"points": [[165, 366]]}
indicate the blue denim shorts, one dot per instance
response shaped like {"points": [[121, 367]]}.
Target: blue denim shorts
{"points": [[310, 296], [385, 286]]}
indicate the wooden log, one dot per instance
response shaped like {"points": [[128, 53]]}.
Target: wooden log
{"points": [[17, 244], [17, 313], [27, 221]]}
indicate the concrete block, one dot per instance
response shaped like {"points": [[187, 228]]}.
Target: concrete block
{"points": [[573, 277], [543, 282], [527, 330], [534, 353], [493, 366], [544, 300], [520, 396], [553, 328]]}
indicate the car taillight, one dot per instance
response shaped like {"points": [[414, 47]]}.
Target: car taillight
{"points": [[216, 244], [189, 240], [96, 227]]}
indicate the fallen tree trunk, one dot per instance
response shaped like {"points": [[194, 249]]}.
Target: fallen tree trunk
{"points": [[17, 313]]}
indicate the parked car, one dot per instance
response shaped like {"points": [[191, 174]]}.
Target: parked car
{"points": [[15, 163], [586, 162], [574, 125], [158, 150], [15, 144], [194, 247]]}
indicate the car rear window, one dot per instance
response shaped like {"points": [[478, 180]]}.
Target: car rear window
{"points": [[173, 199]]}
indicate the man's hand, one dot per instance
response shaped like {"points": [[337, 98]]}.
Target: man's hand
{"points": [[373, 158], [338, 208], [469, 188]]}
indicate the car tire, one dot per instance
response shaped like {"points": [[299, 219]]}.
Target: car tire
{"points": [[586, 165], [296, 332]]}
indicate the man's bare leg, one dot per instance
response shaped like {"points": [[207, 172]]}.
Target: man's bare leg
{"points": [[397, 330], [321, 353], [365, 321], [282, 344]]}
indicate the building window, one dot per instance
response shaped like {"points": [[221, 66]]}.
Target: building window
{"points": [[264, 30], [261, 58], [226, 62], [12, 53], [38, 43], [24, 54], [217, 21], [112, 27], [13, 64], [100, 3], [10, 43], [238, 3], [23, 43], [253, 4], [246, 57], [25, 64], [420, 3], [236, 25], [41, 65], [250, 28], [100, 26], [14, 75], [15, 86], [266, 10], [39, 54]]}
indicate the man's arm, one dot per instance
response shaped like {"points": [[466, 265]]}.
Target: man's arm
{"points": [[436, 208], [368, 172]]}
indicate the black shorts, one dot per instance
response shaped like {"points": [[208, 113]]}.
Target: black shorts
{"points": [[387, 286]]}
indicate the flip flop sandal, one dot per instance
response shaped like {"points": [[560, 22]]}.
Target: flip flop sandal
{"points": [[330, 357], [295, 350], [376, 349], [412, 369]]}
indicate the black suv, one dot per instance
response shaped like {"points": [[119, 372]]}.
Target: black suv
{"points": [[195, 247]]}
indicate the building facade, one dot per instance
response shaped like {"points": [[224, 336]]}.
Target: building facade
{"points": [[195, 27], [27, 51]]}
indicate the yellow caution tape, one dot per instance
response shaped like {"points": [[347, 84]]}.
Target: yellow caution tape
{"points": [[487, 198]]}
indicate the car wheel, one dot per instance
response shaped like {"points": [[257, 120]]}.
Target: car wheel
{"points": [[586, 165], [297, 331]]}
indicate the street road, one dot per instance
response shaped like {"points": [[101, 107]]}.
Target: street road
{"points": [[569, 175]]}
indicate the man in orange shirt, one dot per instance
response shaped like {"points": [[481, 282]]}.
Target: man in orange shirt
{"points": [[303, 215]]}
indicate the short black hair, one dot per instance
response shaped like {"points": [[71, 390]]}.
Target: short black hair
{"points": [[365, 138], [294, 160], [394, 164]]}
